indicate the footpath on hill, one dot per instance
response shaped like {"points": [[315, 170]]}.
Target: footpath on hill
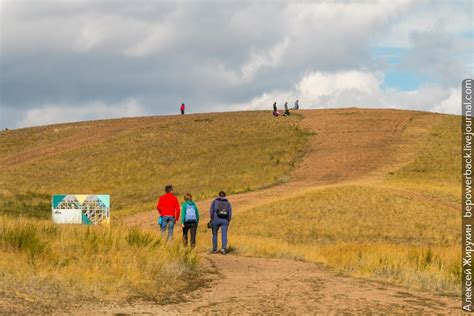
{"points": [[257, 285]]}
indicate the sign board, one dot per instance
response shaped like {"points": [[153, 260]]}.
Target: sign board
{"points": [[80, 209]]}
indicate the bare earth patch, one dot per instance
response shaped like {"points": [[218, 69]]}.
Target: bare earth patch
{"points": [[245, 285]]}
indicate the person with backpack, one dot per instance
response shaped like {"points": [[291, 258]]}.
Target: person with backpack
{"points": [[189, 219], [168, 207], [221, 214], [182, 108]]}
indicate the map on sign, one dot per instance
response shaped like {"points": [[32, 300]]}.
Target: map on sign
{"points": [[80, 209]]}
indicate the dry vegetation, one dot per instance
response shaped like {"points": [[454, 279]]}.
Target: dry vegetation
{"points": [[203, 154], [46, 265], [402, 227], [400, 224]]}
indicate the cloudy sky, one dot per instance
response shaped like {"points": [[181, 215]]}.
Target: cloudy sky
{"points": [[72, 60]]}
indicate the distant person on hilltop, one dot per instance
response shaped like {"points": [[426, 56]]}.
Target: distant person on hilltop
{"points": [[189, 219], [275, 109], [182, 108], [287, 111], [221, 214], [297, 105], [168, 207]]}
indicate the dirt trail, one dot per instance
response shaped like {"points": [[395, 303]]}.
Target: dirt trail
{"points": [[333, 154], [243, 285], [274, 286]]}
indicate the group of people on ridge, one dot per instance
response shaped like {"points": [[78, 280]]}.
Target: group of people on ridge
{"points": [[182, 108], [220, 214], [287, 111]]}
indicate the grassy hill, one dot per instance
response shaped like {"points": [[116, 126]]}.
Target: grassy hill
{"points": [[44, 265], [400, 224], [133, 159], [371, 193]]}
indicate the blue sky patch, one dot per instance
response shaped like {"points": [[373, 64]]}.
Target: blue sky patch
{"points": [[404, 80]]}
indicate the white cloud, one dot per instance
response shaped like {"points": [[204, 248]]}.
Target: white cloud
{"points": [[357, 88], [451, 104], [319, 85], [428, 16], [57, 113], [264, 59]]}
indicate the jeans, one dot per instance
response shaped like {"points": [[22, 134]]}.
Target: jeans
{"points": [[167, 221], [192, 227], [216, 224]]}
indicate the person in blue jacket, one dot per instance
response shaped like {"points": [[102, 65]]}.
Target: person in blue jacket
{"points": [[189, 219], [221, 214]]}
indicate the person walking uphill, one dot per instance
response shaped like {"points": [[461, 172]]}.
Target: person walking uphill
{"points": [[221, 214], [168, 207], [189, 219]]}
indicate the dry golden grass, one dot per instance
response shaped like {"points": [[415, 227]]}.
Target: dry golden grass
{"points": [[436, 169], [54, 264], [360, 230], [236, 152], [132, 160], [399, 225], [403, 228]]}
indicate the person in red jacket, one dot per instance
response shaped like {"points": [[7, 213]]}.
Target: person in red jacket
{"points": [[168, 207], [182, 108]]}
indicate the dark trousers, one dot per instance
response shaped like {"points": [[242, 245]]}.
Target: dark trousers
{"points": [[182, 112], [192, 227]]}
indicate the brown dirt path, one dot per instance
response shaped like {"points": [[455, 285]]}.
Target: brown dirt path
{"points": [[333, 154], [243, 285]]}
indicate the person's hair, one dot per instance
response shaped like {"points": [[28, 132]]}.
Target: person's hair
{"points": [[222, 194], [188, 197], [168, 188]]}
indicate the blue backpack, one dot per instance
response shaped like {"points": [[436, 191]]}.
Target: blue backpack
{"points": [[190, 216]]}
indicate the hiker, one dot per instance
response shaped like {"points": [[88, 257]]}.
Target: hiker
{"points": [[168, 207], [182, 108], [297, 105], [189, 219], [221, 214], [287, 112], [275, 110]]}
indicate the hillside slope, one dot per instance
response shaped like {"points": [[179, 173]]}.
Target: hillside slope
{"points": [[375, 196], [133, 159]]}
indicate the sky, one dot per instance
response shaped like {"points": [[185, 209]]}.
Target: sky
{"points": [[66, 61]]}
